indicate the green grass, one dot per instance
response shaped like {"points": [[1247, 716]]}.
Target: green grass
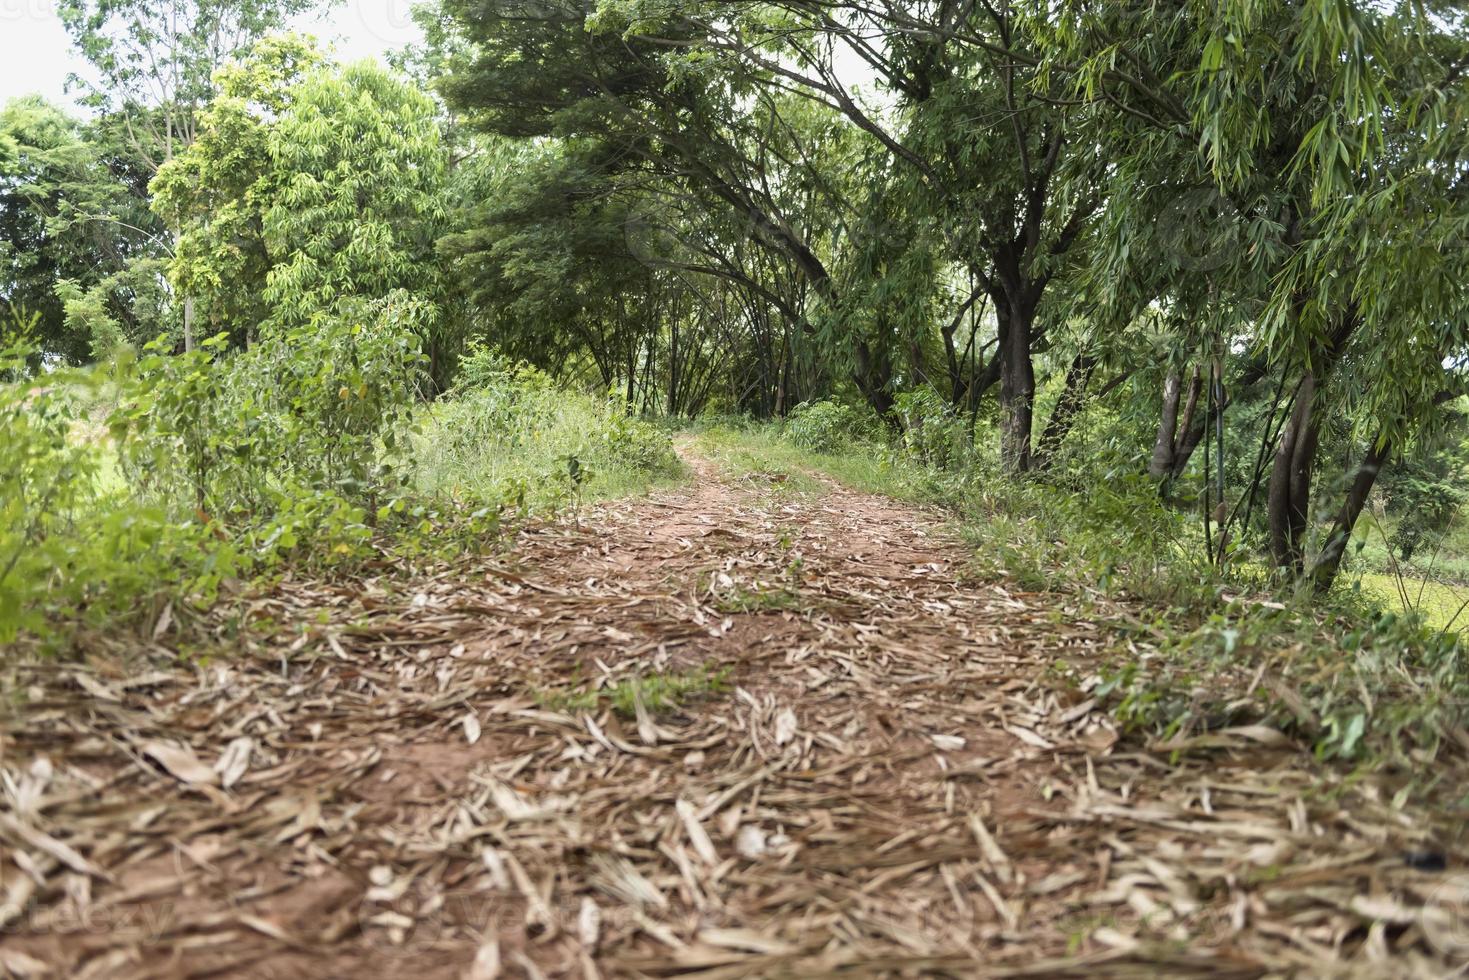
{"points": [[661, 693], [763, 452], [538, 447], [1441, 604], [1444, 558]]}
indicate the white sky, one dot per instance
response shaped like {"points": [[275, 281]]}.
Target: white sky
{"points": [[35, 55]]}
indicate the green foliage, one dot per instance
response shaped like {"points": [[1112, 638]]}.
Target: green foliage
{"points": [[215, 193], [154, 62], [826, 426], [308, 407], [43, 479], [309, 188], [508, 432], [933, 430], [659, 693], [357, 173], [79, 249], [73, 550], [1427, 490], [211, 466]]}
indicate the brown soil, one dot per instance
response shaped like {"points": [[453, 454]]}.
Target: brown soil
{"points": [[903, 774]]}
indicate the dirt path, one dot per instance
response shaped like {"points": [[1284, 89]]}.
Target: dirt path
{"points": [[878, 769]]}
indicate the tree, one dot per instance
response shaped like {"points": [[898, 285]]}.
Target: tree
{"points": [[308, 184], [78, 248], [215, 192], [155, 59], [155, 62]]}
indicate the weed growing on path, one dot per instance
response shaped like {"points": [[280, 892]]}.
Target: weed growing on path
{"points": [[660, 693]]}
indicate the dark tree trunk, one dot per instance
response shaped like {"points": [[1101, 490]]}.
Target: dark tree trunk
{"points": [[785, 381], [1068, 409], [874, 376], [1017, 382], [954, 363], [1288, 499], [1191, 428], [1328, 563]]}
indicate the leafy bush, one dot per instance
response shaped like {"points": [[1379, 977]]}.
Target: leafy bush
{"points": [[1425, 494], [933, 431], [70, 546], [212, 466], [826, 426], [41, 479], [242, 434]]}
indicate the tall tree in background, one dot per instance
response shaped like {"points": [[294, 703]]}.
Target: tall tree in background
{"points": [[152, 65], [308, 185], [154, 60]]}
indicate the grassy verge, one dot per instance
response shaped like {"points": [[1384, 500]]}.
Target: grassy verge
{"points": [[1441, 605], [515, 436], [147, 491]]}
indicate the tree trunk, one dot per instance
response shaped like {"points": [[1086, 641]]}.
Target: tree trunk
{"points": [[873, 376], [1017, 384], [1195, 386], [1189, 434], [188, 323], [673, 375], [1288, 498], [785, 380], [1328, 563], [954, 364], [1068, 409], [1161, 464]]}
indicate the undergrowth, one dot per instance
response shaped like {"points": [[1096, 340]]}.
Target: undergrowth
{"points": [[509, 432], [135, 491]]}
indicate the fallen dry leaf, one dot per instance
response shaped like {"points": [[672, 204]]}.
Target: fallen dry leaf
{"points": [[181, 763]]}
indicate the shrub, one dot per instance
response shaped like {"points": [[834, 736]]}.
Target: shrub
{"points": [[218, 465], [826, 426], [70, 547], [42, 476], [241, 435], [932, 431]]}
